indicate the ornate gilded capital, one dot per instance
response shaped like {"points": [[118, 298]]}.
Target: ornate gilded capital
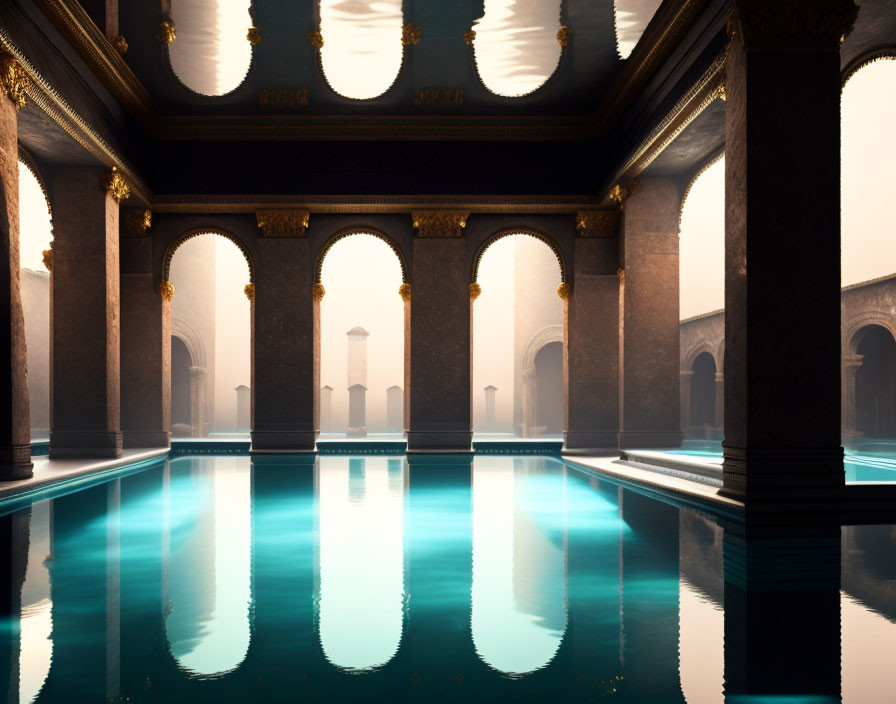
{"points": [[597, 223], [249, 290], [253, 35], [470, 36], [792, 24], [166, 290], [621, 191], [48, 258], [135, 223], [475, 291], [621, 274], [166, 32], [563, 290], [563, 35], [282, 223], [120, 44], [439, 223], [438, 97], [318, 291], [316, 39], [116, 185], [405, 292], [410, 34], [15, 80]]}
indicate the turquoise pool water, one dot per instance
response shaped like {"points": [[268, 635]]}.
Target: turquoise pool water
{"points": [[368, 579]]}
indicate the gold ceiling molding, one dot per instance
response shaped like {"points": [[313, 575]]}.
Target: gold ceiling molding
{"points": [[249, 290], [253, 36], [283, 99], [410, 34], [135, 223], [563, 291], [116, 185], [282, 223], [597, 223], [439, 223], [475, 291], [438, 97], [166, 33], [48, 258], [101, 56], [15, 80]]}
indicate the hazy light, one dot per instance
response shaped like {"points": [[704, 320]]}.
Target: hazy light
{"points": [[211, 54], [702, 244], [632, 18], [232, 331], [35, 228], [362, 50], [36, 645], [516, 45]]}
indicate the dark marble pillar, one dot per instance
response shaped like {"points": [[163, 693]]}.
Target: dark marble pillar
{"points": [[145, 346], [440, 413], [14, 546], [782, 249], [85, 311], [650, 380], [284, 390], [15, 431], [592, 340]]}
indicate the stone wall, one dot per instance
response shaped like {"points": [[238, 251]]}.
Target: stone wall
{"points": [[36, 308]]}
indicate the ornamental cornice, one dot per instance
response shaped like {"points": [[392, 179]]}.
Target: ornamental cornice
{"points": [[116, 185], [282, 223], [439, 223], [135, 223], [597, 223], [792, 24]]}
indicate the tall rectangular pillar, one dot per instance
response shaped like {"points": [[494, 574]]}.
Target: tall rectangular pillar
{"points": [[592, 338], [145, 340], [650, 356], [440, 410], [284, 390], [86, 331], [782, 249], [15, 428]]}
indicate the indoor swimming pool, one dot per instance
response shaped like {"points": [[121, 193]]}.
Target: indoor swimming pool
{"points": [[491, 578]]}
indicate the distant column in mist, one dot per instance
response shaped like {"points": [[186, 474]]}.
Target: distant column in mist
{"points": [[395, 409], [357, 382], [243, 395], [490, 408], [326, 399]]}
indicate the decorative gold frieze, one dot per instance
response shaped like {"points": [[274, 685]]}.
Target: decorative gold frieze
{"points": [[475, 291], [166, 32], [438, 97], [166, 290], [410, 34], [316, 39], [563, 290], [405, 292], [116, 185], [597, 223], [135, 223], [282, 99], [48, 258], [792, 24], [14, 79], [563, 35], [249, 290], [318, 291], [120, 44], [439, 223], [253, 35], [282, 223], [470, 36]]}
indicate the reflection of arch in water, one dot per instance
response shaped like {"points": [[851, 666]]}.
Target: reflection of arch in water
{"points": [[208, 585], [519, 613], [361, 561], [536, 383], [36, 642], [875, 382]]}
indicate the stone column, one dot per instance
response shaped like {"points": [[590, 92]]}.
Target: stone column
{"points": [[651, 335], [490, 392], [243, 406], [720, 400], [440, 418], [395, 409], [357, 411], [15, 431], [86, 332], [145, 339], [357, 382], [198, 383], [326, 401], [284, 388], [782, 249], [591, 347], [849, 367], [685, 378]]}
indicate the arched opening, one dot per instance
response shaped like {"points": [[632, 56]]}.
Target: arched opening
{"points": [[876, 383], [211, 332], [703, 395], [632, 18], [211, 54], [362, 335], [518, 316], [362, 47], [35, 237], [517, 45]]}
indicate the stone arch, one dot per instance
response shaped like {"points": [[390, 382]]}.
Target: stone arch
{"points": [[857, 327], [713, 160], [196, 232], [863, 60], [29, 162], [687, 360], [342, 234], [547, 335], [189, 336], [501, 234], [551, 333]]}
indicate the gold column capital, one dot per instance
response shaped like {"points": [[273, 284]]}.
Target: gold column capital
{"points": [[597, 223], [48, 258], [563, 35], [405, 292], [166, 290], [563, 290], [793, 24], [135, 223], [283, 223], [470, 36], [253, 35], [316, 39], [439, 223], [621, 191], [15, 80], [166, 32], [249, 290], [116, 185], [475, 291], [410, 34], [318, 291], [120, 44], [621, 274]]}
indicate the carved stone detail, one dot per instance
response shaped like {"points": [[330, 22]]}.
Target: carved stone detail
{"points": [[14, 79], [135, 223], [597, 223], [318, 292], [253, 35], [439, 223], [166, 290], [283, 99], [120, 44], [316, 39], [116, 185], [438, 97], [410, 34], [405, 292], [282, 223], [793, 24], [166, 32], [621, 191], [249, 290]]}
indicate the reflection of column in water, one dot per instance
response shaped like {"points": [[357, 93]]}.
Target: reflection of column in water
{"points": [[36, 625], [396, 475], [356, 479], [113, 591]]}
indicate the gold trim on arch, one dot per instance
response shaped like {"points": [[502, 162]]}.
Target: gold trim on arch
{"points": [[712, 161], [501, 234], [196, 232], [360, 230], [866, 59]]}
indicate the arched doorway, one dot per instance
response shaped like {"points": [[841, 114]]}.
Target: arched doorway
{"points": [[876, 383], [549, 389], [181, 404], [703, 394]]}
